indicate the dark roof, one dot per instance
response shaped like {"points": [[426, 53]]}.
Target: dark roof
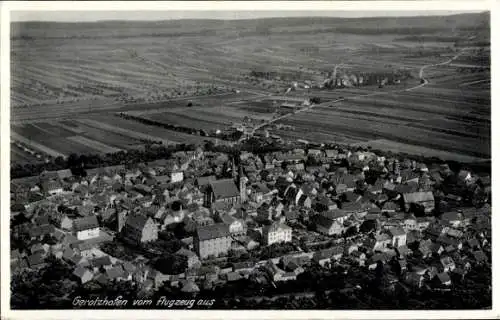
{"points": [[443, 277], [397, 231], [114, 272], [214, 231], [137, 221], [85, 223], [35, 259], [101, 261], [323, 221], [202, 181], [224, 188], [66, 173]]}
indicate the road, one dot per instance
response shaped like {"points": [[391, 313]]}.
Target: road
{"points": [[328, 103]]}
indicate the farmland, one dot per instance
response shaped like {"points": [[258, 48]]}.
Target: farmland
{"points": [[70, 80]]}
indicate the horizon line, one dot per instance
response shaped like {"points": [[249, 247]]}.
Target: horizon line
{"points": [[377, 14]]}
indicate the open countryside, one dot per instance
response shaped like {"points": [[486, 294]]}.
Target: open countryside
{"points": [[67, 99]]}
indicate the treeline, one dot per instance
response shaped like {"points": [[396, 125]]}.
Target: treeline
{"points": [[155, 151], [78, 163], [163, 124], [230, 136]]}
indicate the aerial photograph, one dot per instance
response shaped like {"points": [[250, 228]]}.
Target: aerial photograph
{"points": [[241, 160]]}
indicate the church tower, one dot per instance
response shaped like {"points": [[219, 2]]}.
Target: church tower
{"points": [[121, 218], [240, 180]]}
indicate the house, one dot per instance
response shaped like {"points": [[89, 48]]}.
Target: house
{"points": [[337, 215], [382, 241], [464, 176], [236, 226], [424, 200], [328, 226], [448, 264], [65, 222], [244, 266], [322, 257], [479, 257], [414, 279], [442, 279], [398, 237], [359, 257], [375, 260], [452, 218], [115, 273], [233, 276], [83, 275], [101, 262], [410, 223], [213, 240], [52, 188], [140, 229], [192, 258], [276, 233], [36, 260], [223, 190], [86, 227], [261, 193]]}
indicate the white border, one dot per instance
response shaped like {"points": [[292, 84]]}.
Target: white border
{"points": [[457, 5]]}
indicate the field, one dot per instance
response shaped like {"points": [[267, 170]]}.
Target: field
{"points": [[69, 80], [440, 116]]}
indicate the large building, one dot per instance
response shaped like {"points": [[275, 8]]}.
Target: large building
{"points": [[224, 190], [276, 233], [140, 229], [212, 241]]}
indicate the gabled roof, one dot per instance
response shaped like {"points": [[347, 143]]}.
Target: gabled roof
{"points": [[35, 259], [85, 223], [224, 188], [115, 272], [137, 221], [397, 231], [202, 181], [80, 271], [335, 214], [185, 252], [324, 221], [214, 231], [101, 261], [443, 277]]}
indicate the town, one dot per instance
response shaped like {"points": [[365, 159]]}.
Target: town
{"points": [[287, 227]]}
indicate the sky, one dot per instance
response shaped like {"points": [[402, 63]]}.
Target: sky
{"points": [[89, 16]]}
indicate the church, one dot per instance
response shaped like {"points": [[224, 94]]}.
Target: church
{"points": [[232, 190]]}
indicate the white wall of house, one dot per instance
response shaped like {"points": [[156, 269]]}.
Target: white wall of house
{"points": [[87, 234], [177, 176], [279, 236]]}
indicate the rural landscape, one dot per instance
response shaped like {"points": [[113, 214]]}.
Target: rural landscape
{"points": [[67, 92], [271, 163]]}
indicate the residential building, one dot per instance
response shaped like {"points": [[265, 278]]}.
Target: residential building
{"points": [[86, 227], [213, 240], [140, 229], [276, 233]]}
